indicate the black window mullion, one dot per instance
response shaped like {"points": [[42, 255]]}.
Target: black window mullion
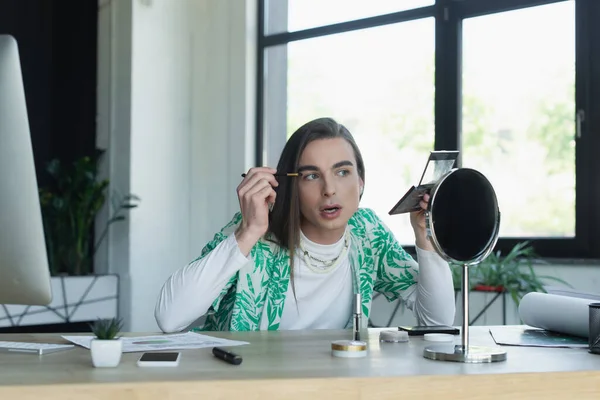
{"points": [[448, 77], [548, 247], [260, 82], [348, 26], [588, 174], [475, 8], [582, 102]]}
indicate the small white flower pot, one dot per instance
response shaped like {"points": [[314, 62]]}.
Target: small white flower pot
{"points": [[106, 353]]}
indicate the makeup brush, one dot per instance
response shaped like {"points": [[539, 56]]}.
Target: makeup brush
{"points": [[290, 174]]}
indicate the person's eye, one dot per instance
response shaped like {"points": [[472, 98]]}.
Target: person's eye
{"points": [[343, 172], [310, 177]]}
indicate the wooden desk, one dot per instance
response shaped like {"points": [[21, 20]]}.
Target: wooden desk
{"points": [[298, 365]]}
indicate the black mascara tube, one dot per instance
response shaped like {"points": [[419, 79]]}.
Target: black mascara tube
{"points": [[357, 317], [227, 356]]}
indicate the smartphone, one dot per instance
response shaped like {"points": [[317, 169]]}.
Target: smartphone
{"points": [[422, 330], [159, 359]]}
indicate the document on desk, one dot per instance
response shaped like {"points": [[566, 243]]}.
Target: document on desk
{"points": [[33, 348], [179, 341], [534, 337]]}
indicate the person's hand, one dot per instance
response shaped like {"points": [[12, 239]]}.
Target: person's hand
{"points": [[417, 220], [255, 194]]}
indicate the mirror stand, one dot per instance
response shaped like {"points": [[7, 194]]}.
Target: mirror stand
{"points": [[464, 352]]}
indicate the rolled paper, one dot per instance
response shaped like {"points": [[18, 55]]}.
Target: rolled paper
{"points": [[562, 314]]}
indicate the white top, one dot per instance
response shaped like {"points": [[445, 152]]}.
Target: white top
{"points": [[322, 301]]}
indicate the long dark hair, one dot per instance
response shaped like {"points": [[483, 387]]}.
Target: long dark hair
{"points": [[285, 218]]}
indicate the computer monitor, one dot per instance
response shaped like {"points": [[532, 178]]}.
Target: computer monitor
{"points": [[24, 272]]}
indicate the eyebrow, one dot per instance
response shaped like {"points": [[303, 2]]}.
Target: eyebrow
{"points": [[315, 168]]}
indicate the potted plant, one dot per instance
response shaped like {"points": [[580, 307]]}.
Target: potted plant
{"points": [[512, 273], [106, 347], [70, 202]]}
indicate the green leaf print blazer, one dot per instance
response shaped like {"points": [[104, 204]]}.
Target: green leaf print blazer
{"points": [[260, 287]]}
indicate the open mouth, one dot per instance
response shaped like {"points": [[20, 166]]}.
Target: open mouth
{"points": [[331, 209]]}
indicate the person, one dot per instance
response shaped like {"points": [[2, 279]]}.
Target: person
{"points": [[300, 248]]}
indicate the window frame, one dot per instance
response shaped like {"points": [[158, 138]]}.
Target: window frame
{"points": [[449, 15]]}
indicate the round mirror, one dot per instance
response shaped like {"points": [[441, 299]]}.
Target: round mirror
{"points": [[463, 216], [463, 221]]}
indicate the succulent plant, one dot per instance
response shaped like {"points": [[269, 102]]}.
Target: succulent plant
{"points": [[107, 329]]}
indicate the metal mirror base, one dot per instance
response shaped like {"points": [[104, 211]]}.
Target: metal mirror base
{"points": [[474, 354]]}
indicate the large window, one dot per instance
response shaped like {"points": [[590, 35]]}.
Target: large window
{"points": [[383, 99], [494, 79], [518, 103]]}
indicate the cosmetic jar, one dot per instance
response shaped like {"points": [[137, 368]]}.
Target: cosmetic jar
{"points": [[349, 348], [393, 336], [438, 337]]}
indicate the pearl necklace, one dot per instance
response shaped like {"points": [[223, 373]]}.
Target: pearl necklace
{"points": [[328, 265]]}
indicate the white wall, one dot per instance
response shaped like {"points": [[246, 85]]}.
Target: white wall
{"points": [[161, 132], [114, 135], [176, 110], [223, 115]]}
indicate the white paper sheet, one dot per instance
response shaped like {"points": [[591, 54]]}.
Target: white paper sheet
{"points": [[564, 314], [180, 341], [534, 337], [36, 348]]}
